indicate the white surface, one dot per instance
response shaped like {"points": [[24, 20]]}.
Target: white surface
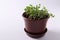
{"points": [[12, 24]]}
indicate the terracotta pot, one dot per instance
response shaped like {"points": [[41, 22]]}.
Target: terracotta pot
{"points": [[35, 28]]}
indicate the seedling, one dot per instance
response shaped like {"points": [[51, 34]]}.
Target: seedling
{"points": [[35, 12]]}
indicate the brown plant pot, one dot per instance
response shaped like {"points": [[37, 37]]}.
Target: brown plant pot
{"points": [[35, 28]]}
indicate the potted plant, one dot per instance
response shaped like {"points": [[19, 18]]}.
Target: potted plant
{"points": [[35, 20]]}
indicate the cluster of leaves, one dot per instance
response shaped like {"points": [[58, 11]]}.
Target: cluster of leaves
{"points": [[35, 12]]}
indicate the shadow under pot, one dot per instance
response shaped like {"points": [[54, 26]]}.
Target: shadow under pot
{"points": [[35, 28]]}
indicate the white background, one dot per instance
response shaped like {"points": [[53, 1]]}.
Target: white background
{"points": [[12, 23]]}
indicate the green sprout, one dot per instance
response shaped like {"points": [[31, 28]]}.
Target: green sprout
{"points": [[34, 12]]}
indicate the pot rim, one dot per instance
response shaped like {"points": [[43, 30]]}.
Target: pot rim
{"points": [[32, 19]]}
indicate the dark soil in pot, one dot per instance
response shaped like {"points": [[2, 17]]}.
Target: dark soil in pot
{"points": [[35, 28]]}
